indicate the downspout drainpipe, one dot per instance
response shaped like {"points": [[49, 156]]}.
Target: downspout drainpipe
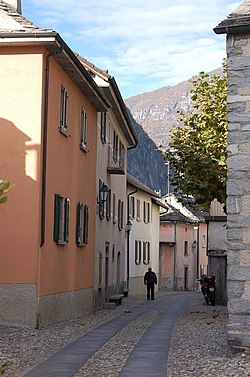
{"points": [[175, 251], [131, 193], [45, 131]]}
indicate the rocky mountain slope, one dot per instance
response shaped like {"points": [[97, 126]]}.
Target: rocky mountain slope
{"points": [[153, 115], [145, 163], [156, 111]]}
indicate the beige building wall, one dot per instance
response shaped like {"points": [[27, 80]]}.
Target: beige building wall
{"points": [[142, 231], [110, 239]]}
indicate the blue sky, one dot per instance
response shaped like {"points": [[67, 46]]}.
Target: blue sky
{"points": [[144, 44]]}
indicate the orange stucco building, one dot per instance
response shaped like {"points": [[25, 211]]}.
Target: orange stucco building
{"points": [[48, 118]]}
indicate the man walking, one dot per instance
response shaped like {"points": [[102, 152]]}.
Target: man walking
{"points": [[150, 280]]}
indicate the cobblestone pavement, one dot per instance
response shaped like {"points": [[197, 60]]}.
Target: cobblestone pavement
{"points": [[198, 344]]}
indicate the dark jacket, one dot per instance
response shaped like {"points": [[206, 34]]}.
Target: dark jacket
{"points": [[150, 278]]}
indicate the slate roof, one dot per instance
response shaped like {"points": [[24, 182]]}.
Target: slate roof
{"points": [[138, 184], [12, 21], [174, 214], [237, 22]]}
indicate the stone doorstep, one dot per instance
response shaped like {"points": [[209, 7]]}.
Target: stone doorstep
{"points": [[109, 305]]}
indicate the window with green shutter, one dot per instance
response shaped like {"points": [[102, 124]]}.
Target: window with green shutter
{"points": [[63, 110], [83, 142], [82, 224], [61, 219]]}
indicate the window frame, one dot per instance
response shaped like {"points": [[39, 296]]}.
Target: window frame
{"points": [[103, 127], [146, 252], [61, 219], [82, 224], [138, 252], [83, 141], [185, 247], [64, 99]]}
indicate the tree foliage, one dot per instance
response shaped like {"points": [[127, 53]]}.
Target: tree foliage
{"points": [[4, 188], [197, 152]]}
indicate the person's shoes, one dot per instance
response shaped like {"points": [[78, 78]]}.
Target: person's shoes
{"points": [[152, 298]]}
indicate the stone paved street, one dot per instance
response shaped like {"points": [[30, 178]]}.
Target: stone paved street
{"points": [[198, 344]]}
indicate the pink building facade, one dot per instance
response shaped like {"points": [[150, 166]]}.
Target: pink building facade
{"points": [[183, 246]]}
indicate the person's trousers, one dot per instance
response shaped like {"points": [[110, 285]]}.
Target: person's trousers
{"points": [[150, 292]]}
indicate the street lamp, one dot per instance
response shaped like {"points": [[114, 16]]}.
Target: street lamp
{"points": [[128, 226], [103, 193]]}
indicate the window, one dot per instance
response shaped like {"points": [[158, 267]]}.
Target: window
{"points": [[146, 212], [114, 208], [83, 142], [82, 224], [115, 147], [149, 217], [137, 252], [138, 209], [108, 206], [146, 252], [203, 240], [101, 204], [103, 127], [120, 214], [61, 219], [100, 270], [63, 110], [132, 207], [185, 247]]}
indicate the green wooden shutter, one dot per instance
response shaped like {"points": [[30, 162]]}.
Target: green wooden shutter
{"points": [[56, 217], [86, 224], [66, 220], [79, 224]]}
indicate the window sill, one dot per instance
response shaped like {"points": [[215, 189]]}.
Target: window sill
{"points": [[84, 148], [81, 244], [64, 132], [62, 243]]}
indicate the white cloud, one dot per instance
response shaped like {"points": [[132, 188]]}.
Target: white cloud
{"points": [[141, 42]]}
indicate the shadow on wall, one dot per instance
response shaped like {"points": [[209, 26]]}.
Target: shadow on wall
{"points": [[19, 161]]}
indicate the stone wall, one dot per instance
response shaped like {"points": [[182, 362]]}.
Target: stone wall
{"points": [[238, 190]]}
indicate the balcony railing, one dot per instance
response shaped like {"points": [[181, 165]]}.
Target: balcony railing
{"points": [[116, 160]]}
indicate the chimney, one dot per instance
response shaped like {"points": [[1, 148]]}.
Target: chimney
{"points": [[15, 4]]}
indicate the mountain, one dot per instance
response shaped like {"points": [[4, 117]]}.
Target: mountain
{"points": [[156, 111], [145, 163], [153, 116]]}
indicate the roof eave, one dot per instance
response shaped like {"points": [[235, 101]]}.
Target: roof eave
{"points": [[232, 29], [66, 59]]}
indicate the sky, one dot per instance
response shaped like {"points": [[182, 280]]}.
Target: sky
{"points": [[144, 44]]}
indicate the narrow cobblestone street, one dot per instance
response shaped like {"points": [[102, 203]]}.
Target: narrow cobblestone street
{"points": [[198, 343]]}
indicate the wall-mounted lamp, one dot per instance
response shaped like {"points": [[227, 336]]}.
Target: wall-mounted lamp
{"points": [[128, 226], [103, 193]]}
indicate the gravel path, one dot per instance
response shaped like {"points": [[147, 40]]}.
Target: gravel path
{"points": [[198, 344]]}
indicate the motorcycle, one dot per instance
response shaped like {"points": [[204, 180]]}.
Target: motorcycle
{"points": [[208, 289]]}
